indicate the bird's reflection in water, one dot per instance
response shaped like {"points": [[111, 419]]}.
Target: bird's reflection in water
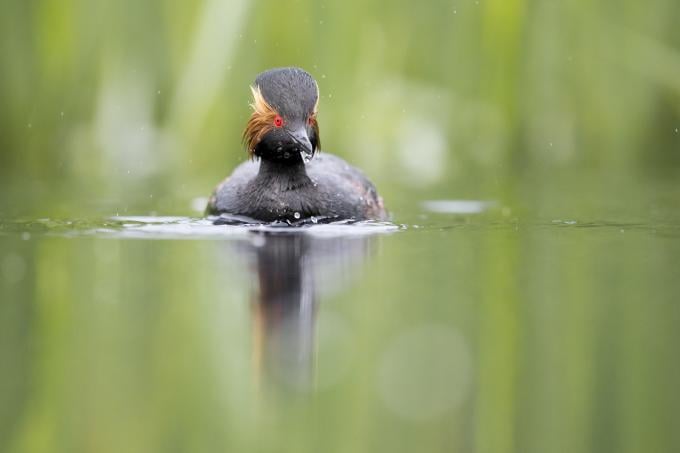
{"points": [[293, 271]]}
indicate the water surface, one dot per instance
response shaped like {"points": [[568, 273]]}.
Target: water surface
{"points": [[468, 329]]}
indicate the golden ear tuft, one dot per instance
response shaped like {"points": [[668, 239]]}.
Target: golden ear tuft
{"points": [[259, 104], [316, 104], [261, 121]]}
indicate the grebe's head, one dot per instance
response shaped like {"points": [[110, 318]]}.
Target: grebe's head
{"points": [[283, 125]]}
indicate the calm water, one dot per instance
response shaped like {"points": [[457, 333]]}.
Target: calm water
{"points": [[471, 326]]}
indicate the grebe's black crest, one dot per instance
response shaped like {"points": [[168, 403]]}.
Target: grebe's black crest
{"points": [[283, 123], [291, 91]]}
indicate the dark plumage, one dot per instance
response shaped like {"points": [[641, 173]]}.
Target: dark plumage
{"points": [[286, 185]]}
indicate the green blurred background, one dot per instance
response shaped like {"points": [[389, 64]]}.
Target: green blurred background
{"points": [[113, 106], [548, 323]]}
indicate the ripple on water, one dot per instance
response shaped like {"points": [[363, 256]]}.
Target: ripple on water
{"points": [[457, 206], [230, 227], [173, 227]]}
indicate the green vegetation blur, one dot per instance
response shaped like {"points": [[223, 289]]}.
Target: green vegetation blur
{"points": [[139, 106]]}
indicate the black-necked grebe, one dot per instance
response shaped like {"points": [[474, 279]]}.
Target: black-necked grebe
{"points": [[290, 182]]}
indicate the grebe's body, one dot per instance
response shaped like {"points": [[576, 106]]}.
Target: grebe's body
{"points": [[325, 187]]}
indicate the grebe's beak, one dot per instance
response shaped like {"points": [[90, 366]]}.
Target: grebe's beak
{"points": [[300, 137]]}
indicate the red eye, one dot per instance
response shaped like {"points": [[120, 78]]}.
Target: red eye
{"points": [[311, 120], [278, 121]]}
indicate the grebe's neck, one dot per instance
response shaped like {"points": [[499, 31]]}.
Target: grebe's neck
{"points": [[283, 175]]}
